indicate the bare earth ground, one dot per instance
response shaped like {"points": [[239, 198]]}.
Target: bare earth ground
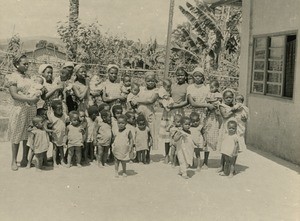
{"points": [[266, 188]]}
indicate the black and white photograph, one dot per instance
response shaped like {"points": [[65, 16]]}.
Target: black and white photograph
{"points": [[142, 110]]}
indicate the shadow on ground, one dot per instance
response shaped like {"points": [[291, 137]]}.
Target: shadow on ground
{"points": [[275, 159]]}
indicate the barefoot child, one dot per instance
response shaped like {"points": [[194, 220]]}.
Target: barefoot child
{"points": [[103, 137], [58, 120], [185, 147], [131, 125], [198, 137], [75, 136], [142, 139], [174, 128], [122, 145], [38, 141], [229, 148]]}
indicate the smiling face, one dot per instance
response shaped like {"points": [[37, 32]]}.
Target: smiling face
{"points": [[231, 127], [127, 81], [117, 113], [150, 82], [81, 116], [141, 124], [186, 124], [195, 121], [180, 76], [113, 74]]}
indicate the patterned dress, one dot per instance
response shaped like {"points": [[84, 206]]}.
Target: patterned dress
{"points": [[21, 114]]}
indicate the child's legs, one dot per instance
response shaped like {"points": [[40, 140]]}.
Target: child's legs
{"points": [[91, 150], [78, 154], [14, 150], [30, 157], [60, 150], [105, 154], [167, 149], [198, 157], [117, 162], [54, 154], [232, 161], [39, 160], [123, 166], [206, 154], [143, 156], [71, 151], [172, 154], [85, 151], [100, 153], [25, 154], [227, 164], [182, 163], [139, 156]]}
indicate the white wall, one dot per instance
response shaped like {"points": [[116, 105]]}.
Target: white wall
{"points": [[274, 122]]}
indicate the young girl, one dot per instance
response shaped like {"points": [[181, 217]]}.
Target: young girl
{"points": [[213, 119], [80, 87], [142, 139], [131, 125], [122, 145], [103, 137], [126, 85], [173, 129], [58, 120], [229, 148], [184, 147], [76, 136], [196, 95], [38, 141], [198, 137], [117, 111]]}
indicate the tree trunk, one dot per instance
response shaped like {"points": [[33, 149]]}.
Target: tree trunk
{"points": [[73, 24]]}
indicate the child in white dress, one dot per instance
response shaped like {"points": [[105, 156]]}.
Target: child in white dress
{"points": [[122, 145], [134, 91], [164, 94]]}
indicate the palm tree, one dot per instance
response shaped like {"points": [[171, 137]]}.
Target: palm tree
{"points": [[73, 25]]}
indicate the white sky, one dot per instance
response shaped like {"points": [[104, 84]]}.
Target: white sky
{"points": [[137, 18]]}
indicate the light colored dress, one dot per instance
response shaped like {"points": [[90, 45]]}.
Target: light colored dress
{"points": [[148, 111], [58, 127], [243, 111], [141, 139], [120, 146], [112, 90], [90, 129], [21, 114], [197, 136], [75, 137], [38, 141], [58, 94], [229, 145], [198, 94], [104, 134], [82, 104]]}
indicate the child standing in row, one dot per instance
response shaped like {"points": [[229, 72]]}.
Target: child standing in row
{"points": [[173, 129], [103, 137], [76, 136], [143, 139], [122, 145], [38, 141]]}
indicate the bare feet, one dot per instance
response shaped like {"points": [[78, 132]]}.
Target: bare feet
{"points": [[28, 166], [68, 165], [79, 165], [184, 176], [230, 175], [100, 165], [124, 175], [116, 175], [14, 167], [38, 170], [24, 163], [220, 169], [198, 169], [204, 167]]}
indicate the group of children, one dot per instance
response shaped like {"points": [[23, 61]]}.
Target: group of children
{"points": [[118, 131]]}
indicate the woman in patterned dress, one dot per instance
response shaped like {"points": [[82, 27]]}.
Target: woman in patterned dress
{"points": [[21, 113]]}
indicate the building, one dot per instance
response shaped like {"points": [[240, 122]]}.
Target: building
{"points": [[270, 75], [46, 55]]}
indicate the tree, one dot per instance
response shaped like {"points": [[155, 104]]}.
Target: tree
{"points": [[73, 25], [41, 44]]}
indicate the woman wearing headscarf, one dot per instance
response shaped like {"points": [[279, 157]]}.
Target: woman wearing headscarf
{"points": [[21, 113], [80, 87]]}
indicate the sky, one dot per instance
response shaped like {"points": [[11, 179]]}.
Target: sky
{"points": [[136, 19]]}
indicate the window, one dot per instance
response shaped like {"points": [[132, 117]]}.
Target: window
{"points": [[274, 65]]}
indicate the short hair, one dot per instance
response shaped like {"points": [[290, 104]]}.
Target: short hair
{"points": [[122, 116], [215, 83], [140, 117], [36, 119], [167, 82], [73, 113], [55, 103], [91, 110], [184, 71], [240, 96], [183, 119], [102, 106], [232, 122], [194, 115], [104, 113], [116, 107]]}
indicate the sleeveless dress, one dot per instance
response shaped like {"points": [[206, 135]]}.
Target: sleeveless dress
{"points": [[120, 146], [21, 114]]}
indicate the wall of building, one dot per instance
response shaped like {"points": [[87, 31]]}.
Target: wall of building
{"points": [[274, 122]]}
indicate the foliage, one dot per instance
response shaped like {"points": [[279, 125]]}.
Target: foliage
{"points": [[207, 34]]}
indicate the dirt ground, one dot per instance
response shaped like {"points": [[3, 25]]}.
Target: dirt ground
{"points": [[265, 188]]}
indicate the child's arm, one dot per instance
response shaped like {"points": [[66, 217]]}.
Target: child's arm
{"points": [[130, 138], [150, 139], [204, 137], [80, 95], [225, 113], [95, 133], [65, 140]]}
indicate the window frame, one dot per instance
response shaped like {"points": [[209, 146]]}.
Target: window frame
{"points": [[267, 59]]}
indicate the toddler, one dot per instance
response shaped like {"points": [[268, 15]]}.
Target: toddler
{"points": [[38, 141], [197, 136], [184, 146], [143, 139], [117, 110], [173, 129], [126, 86], [164, 94], [134, 91], [131, 125], [76, 136], [103, 137], [122, 145], [229, 149], [58, 119], [36, 90]]}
